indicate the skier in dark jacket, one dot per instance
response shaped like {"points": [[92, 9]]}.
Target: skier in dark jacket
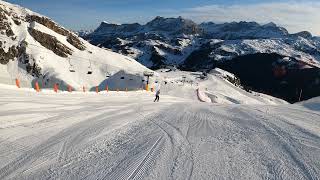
{"points": [[157, 96]]}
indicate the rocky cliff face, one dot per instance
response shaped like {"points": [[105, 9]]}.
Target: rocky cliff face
{"points": [[9, 18], [51, 43], [5, 28], [71, 38], [11, 54], [242, 30], [173, 26]]}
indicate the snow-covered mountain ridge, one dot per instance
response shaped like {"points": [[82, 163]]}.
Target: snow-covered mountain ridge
{"points": [[170, 41], [35, 48]]}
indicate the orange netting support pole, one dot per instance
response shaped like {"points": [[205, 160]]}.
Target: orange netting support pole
{"points": [[97, 89], [107, 88], [37, 86], [69, 88], [18, 83], [147, 87]]}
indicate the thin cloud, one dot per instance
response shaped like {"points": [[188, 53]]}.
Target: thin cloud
{"points": [[295, 16]]}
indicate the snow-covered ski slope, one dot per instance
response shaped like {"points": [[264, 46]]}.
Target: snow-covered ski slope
{"points": [[125, 135], [215, 88], [234, 134], [55, 68]]}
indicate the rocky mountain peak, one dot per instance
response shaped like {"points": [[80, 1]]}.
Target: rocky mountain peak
{"points": [[173, 25], [303, 34]]}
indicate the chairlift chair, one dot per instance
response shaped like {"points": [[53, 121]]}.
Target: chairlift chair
{"points": [[89, 69], [71, 68], [108, 75], [26, 59]]}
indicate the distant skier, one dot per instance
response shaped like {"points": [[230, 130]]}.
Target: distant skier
{"points": [[157, 96]]}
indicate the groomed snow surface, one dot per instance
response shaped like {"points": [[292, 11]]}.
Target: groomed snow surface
{"points": [[125, 135]]}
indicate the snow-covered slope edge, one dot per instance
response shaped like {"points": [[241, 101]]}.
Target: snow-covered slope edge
{"points": [[312, 104], [35, 48], [218, 87]]}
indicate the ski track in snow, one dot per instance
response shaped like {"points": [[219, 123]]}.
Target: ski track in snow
{"points": [[127, 136]]}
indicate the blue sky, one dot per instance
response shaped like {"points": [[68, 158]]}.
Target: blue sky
{"points": [[87, 14]]}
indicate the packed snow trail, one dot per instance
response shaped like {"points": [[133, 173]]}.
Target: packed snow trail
{"points": [[124, 135]]}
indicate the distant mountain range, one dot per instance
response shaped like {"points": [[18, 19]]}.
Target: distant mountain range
{"points": [[170, 41], [261, 50]]}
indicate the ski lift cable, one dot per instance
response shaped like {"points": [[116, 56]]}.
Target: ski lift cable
{"points": [[80, 58], [86, 59], [52, 52]]}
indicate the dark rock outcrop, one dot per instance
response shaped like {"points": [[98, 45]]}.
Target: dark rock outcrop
{"points": [[4, 24], [157, 59], [5, 57], [50, 42], [303, 34], [75, 41], [71, 38], [256, 72], [173, 25]]}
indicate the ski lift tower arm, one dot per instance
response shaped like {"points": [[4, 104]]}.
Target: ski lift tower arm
{"points": [[148, 74]]}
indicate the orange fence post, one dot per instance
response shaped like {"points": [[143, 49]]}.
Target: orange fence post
{"points": [[97, 89], [18, 83], [69, 88], [55, 87], [147, 87], [37, 87], [107, 88]]}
